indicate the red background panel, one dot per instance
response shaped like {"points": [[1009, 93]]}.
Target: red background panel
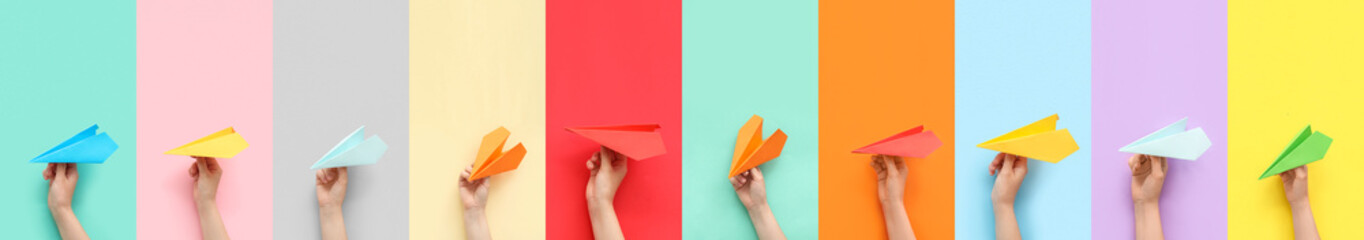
{"points": [[613, 62]]}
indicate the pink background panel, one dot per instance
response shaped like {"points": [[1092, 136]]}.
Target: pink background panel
{"points": [[203, 66]]}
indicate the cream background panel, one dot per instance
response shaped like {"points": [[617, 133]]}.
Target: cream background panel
{"points": [[476, 65]]}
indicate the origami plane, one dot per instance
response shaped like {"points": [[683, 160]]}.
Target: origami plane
{"points": [[1306, 148], [85, 147], [750, 150], [355, 149], [491, 160], [1172, 141], [1039, 140], [635, 141], [914, 142], [222, 144]]}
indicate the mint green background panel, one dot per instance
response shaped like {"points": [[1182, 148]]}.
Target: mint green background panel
{"points": [[65, 65], [741, 58]]}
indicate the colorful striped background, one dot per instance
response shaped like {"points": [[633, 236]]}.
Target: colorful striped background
{"points": [[834, 75]]}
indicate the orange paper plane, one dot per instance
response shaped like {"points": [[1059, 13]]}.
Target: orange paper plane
{"points": [[911, 143], [491, 160], [635, 141], [750, 150]]}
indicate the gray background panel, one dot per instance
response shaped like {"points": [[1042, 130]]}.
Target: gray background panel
{"points": [[339, 65]]}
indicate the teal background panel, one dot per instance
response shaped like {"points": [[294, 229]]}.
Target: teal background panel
{"points": [[66, 65], [741, 58], [1018, 62]]}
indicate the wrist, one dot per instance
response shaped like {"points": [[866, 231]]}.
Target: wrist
{"points": [[206, 205], [1300, 204], [1003, 206], [59, 208], [757, 206], [330, 210]]}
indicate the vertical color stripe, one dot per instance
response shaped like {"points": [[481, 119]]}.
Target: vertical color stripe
{"points": [[63, 67], [740, 59], [1156, 62], [340, 65], [1294, 64], [468, 78], [203, 67], [1018, 62], [613, 62], [884, 68]]}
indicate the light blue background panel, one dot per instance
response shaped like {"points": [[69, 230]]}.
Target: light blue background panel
{"points": [[741, 58], [1018, 62], [65, 66]]}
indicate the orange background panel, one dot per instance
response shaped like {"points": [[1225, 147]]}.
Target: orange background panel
{"points": [[885, 67]]}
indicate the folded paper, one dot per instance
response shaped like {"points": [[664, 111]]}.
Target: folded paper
{"points": [[750, 150], [1172, 141], [1307, 147], [491, 160], [1039, 140], [635, 141], [85, 147], [355, 149], [222, 144], [914, 142]]}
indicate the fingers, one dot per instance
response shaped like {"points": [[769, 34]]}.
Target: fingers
{"points": [[212, 164], [73, 174], [464, 176], [1132, 163], [61, 171], [1158, 163], [50, 171], [201, 165], [994, 165], [900, 164], [594, 164], [756, 173], [342, 174], [735, 181], [1008, 163], [194, 170], [321, 177], [607, 156], [1020, 165], [889, 166]]}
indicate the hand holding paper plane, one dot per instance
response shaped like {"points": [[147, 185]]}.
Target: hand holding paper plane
{"points": [[1039, 140], [635, 141], [1172, 141], [491, 160], [914, 142], [1306, 148], [750, 150], [222, 144], [85, 147], [355, 149]]}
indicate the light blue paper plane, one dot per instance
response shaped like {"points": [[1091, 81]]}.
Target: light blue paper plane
{"points": [[85, 147], [1172, 141], [354, 150]]}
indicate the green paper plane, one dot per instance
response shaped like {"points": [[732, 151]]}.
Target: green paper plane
{"points": [[1308, 147]]}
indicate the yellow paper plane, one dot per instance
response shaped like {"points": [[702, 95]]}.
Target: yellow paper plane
{"points": [[222, 144], [491, 160], [1039, 140], [750, 150]]}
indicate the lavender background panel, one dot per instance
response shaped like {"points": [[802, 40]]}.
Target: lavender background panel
{"points": [[1156, 62]]}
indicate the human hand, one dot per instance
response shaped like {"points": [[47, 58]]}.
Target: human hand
{"points": [[1295, 185], [750, 188], [474, 194], [62, 184], [331, 187], [1148, 177], [206, 173], [891, 173], [606, 171], [1011, 169]]}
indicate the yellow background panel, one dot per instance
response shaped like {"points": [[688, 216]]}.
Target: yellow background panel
{"points": [[476, 65], [1294, 63]]}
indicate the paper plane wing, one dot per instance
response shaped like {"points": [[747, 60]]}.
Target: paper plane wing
{"points": [[911, 143], [750, 138], [766, 152], [1049, 146], [1307, 147], [85, 147], [1180, 145], [635, 141], [222, 144], [491, 146], [506, 162], [354, 150], [1047, 124]]}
